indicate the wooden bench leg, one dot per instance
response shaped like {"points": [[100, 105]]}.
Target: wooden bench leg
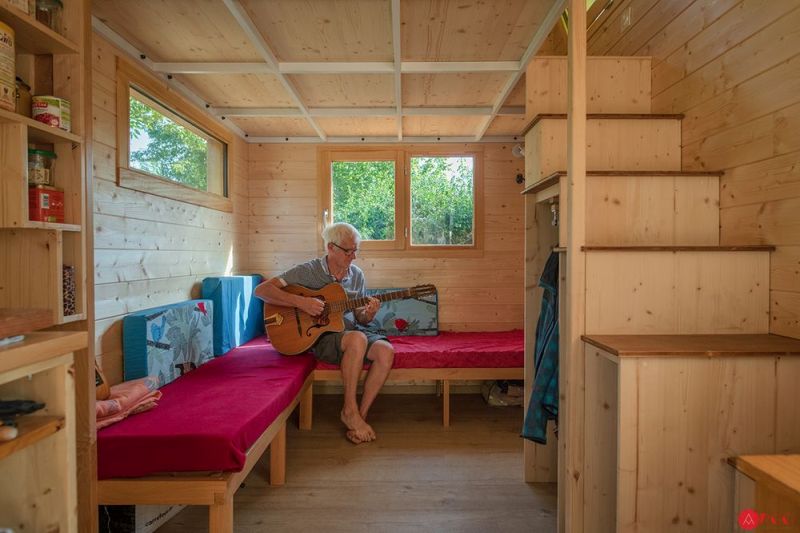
{"points": [[277, 458], [306, 403], [446, 403], [220, 515]]}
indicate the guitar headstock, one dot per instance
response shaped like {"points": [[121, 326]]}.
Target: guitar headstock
{"points": [[422, 290]]}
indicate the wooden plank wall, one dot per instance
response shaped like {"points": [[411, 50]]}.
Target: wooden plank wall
{"points": [[733, 68], [150, 250], [480, 291]]}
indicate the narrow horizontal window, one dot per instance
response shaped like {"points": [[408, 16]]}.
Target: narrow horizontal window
{"points": [[164, 144], [168, 147]]}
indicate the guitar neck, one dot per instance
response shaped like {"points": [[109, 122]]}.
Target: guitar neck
{"points": [[354, 303]]}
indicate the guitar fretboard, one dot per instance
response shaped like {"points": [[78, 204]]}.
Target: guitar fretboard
{"points": [[355, 303]]}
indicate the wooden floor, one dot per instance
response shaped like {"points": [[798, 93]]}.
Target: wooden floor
{"points": [[418, 476]]}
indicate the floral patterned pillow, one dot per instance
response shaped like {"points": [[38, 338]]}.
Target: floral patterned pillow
{"points": [[167, 342], [414, 316]]}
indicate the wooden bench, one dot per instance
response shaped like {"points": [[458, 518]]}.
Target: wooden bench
{"points": [[446, 357], [212, 487]]}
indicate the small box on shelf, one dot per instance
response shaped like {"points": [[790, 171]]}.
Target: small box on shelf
{"points": [[45, 204]]}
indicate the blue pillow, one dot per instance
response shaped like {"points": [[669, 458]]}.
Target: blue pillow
{"points": [[238, 314], [413, 316]]}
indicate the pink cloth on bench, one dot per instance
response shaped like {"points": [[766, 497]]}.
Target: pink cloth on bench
{"points": [[468, 349], [128, 398], [208, 418]]}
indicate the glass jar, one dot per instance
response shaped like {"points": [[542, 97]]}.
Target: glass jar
{"points": [[41, 164], [23, 97], [48, 12]]}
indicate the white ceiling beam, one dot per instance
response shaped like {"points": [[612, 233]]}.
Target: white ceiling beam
{"points": [[514, 111], [257, 40], [439, 67], [360, 67], [446, 111], [213, 68], [536, 42], [116, 39], [377, 140], [256, 111], [511, 111], [398, 78], [354, 67]]}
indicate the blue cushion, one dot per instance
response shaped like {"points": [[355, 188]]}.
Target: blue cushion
{"points": [[167, 341], [413, 316], [238, 314]]}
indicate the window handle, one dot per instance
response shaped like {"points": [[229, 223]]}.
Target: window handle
{"points": [[405, 232], [324, 217]]}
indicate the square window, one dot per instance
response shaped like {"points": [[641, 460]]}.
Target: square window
{"points": [[442, 201]]}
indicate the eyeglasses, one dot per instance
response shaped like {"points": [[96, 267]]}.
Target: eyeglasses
{"points": [[347, 251]]}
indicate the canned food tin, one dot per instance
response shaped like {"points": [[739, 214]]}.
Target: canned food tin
{"points": [[8, 89], [53, 111]]}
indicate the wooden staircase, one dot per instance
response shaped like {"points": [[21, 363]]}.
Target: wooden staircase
{"points": [[660, 420]]}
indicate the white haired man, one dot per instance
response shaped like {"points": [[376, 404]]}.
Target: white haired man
{"points": [[351, 348]]}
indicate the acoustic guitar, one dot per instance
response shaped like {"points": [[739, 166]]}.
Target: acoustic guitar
{"points": [[292, 331]]}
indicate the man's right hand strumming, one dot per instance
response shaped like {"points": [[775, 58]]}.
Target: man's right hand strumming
{"points": [[312, 306]]}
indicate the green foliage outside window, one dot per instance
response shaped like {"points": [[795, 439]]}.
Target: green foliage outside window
{"points": [[162, 147], [363, 195], [442, 201]]}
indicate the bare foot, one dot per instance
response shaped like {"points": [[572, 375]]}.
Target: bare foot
{"points": [[352, 436], [357, 426]]}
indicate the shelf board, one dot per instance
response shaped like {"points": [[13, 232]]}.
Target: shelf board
{"points": [[32, 224], [17, 321], [32, 429], [73, 318], [38, 131], [40, 346], [33, 37]]}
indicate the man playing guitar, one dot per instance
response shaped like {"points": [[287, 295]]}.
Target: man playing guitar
{"points": [[350, 348]]}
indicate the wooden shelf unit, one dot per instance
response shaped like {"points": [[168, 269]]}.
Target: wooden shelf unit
{"points": [[51, 64], [42, 459], [52, 367]]}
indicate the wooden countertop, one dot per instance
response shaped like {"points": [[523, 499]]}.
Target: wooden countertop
{"points": [[694, 345], [778, 472]]}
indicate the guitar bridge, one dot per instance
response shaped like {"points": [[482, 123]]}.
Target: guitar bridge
{"points": [[275, 319]]}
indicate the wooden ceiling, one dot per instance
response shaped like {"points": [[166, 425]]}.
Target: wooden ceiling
{"points": [[339, 70]]}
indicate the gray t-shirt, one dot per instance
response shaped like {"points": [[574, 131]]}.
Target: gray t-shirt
{"points": [[314, 275]]}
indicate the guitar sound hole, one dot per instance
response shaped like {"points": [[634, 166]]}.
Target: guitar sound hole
{"points": [[320, 321]]}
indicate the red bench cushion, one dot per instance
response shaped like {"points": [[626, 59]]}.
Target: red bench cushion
{"points": [[207, 419], [472, 349]]}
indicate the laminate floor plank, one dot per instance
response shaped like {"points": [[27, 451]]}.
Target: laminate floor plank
{"points": [[418, 476]]}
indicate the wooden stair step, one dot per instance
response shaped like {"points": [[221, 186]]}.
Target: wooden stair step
{"points": [[719, 345], [677, 290], [776, 472], [740, 248], [555, 177], [603, 116]]}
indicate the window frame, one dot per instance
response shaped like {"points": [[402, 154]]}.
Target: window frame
{"points": [[130, 76], [403, 155]]}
